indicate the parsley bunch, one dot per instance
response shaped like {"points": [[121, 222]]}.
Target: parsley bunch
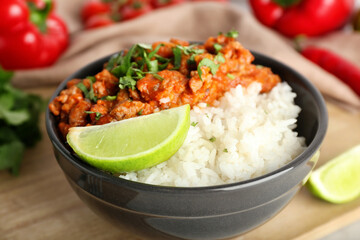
{"points": [[19, 118]]}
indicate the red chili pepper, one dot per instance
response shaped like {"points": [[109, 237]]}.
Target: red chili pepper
{"points": [[336, 65], [305, 17], [30, 37]]}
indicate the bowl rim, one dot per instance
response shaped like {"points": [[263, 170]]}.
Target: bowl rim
{"points": [[306, 154]]}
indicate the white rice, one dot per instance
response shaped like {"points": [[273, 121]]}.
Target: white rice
{"points": [[246, 134]]}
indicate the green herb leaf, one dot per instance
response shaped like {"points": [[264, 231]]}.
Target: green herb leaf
{"points": [[97, 114], [177, 57], [153, 66], [212, 139], [145, 46], [140, 112], [157, 76], [187, 50], [91, 78], [225, 150], [229, 75], [153, 53], [112, 61], [194, 124], [125, 64], [164, 65], [217, 47], [127, 82], [82, 87], [109, 98], [219, 58], [208, 63], [232, 34], [87, 94], [92, 96]]}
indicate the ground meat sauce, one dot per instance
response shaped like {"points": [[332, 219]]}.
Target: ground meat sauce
{"points": [[147, 79]]}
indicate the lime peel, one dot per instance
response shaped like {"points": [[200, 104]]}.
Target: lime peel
{"points": [[338, 181], [132, 144]]}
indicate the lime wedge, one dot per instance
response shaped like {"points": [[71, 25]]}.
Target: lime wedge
{"points": [[132, 144], [338, 181]]}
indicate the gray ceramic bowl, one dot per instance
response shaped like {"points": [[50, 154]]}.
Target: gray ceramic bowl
{"points": [[215, 212]]}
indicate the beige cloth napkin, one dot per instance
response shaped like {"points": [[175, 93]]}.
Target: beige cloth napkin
{"points": [[196, 22]]}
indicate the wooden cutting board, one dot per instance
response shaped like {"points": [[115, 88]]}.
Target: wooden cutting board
{"points": [[39, 204]]}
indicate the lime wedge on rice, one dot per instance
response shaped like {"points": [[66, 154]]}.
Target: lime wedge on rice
{"points": [[338, 181], [132, 144]]}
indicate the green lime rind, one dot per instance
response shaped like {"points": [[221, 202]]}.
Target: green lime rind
{"points": [[338, 181], [132, 144]]}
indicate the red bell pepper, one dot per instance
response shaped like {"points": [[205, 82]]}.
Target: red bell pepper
{"points": [[31, 35], [302, 17]]}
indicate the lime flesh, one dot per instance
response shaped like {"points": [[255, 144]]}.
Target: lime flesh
{"points": [[132, 144], [338, 181]]}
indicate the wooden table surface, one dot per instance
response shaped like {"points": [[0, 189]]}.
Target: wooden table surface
{"points": [[39, 204]]}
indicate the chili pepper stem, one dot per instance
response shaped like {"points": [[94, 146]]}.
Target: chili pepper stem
{"points": [[38, 15]]}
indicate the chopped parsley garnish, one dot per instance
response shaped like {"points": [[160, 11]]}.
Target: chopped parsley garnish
{"points": [[212, 139], [229, 75], [145, 46], [225, 150], [91, 78], [82, 87], [194, 124], [217, 47], [219, 58], [140, 112], [208, 63], [132, 66], [97, 114], [89, 94], [188, 50], [142, 59], [127, 82], [109, 98], [232, 34], [177, 57]]}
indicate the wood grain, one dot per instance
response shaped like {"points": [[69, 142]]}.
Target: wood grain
{"points": [[39, 204]]}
